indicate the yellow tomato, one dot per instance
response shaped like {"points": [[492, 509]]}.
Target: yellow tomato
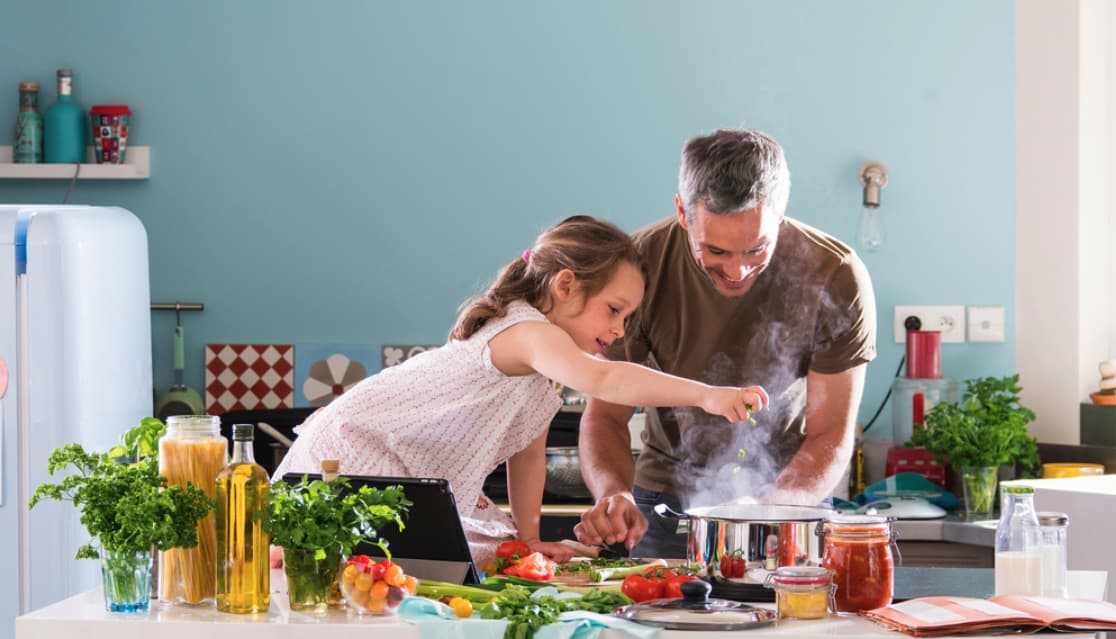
{"points": [[363, 581], [358, 598], [394, 575], [348, 575], [410, 584], [461, 607], [377, 605]]}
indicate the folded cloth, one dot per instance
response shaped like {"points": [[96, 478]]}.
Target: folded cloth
{"points": [[438, 621]]}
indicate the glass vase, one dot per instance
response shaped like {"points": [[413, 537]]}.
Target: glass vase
{"points": [[979, 484], [310, 581], [127, 580]]}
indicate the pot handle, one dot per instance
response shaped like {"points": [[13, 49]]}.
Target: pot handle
{"points": [[666, 512]]}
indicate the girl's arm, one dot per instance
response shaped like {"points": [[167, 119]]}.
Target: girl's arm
{"points": [[526, 476], [547, 349]]}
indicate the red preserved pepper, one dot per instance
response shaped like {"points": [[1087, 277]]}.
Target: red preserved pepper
{"points": [[858, 551]]}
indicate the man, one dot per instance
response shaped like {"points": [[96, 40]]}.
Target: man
{"points": [[737, 294]]}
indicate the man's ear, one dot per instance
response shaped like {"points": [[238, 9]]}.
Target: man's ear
{"points": [[680, 209], [564, 285]]}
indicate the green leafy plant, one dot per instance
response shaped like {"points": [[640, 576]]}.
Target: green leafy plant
{"points": [[326, 517], [987, 428], [125, 503]]}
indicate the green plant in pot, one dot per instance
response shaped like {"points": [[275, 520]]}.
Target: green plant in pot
{"points": [[986, 430], [127, 508], [317, 523]]}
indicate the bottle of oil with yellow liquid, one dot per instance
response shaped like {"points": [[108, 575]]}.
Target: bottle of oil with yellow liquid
{"points": [[243, 569]]}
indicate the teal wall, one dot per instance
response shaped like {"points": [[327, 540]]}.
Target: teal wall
{"points": [[349, 170]]}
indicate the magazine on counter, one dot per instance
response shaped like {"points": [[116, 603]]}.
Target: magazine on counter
{"points": [[937, 616]]}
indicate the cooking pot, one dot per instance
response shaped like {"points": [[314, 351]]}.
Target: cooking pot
{"points": [[743, 543]]}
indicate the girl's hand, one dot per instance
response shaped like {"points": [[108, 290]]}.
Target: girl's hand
{"points": [[556, 551], [735, 404]]}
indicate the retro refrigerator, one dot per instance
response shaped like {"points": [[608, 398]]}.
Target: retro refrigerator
{"points": [[75, 338]]}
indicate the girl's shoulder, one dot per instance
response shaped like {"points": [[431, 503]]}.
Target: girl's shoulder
{"points": [[517, 311]]}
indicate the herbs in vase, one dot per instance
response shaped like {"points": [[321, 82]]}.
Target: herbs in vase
{"points": [[986, 430], [317, 523], [128, 509]]}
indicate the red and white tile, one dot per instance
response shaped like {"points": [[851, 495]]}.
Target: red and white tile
{"points": [[248, 377]]}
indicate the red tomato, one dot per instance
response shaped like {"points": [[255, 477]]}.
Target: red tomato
{"points": [[673, 586], [534, 566], [513, 549], [733, 565], [377, 571], [640, 588]]}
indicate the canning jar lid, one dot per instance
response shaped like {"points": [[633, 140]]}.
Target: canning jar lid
{"points": [[799, 576], [857, 525], [1052, 518], [696, 611]]}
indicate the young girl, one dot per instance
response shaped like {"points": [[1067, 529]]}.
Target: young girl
{"points": [[489, 394]]}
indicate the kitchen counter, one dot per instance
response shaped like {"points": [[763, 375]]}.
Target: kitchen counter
{"points": [[84, 615]]}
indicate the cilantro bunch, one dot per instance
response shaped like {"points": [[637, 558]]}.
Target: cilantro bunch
{"points": [[987, 428], [328, 517], [124, 501]]}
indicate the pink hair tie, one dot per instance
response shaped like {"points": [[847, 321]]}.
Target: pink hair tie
{"points": [[527, 256]]}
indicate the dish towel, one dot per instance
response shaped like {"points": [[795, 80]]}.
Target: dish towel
{"points": [[436, 620]]}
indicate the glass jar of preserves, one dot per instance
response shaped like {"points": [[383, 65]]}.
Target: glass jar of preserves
{"points": [[857, 549], [192, 452], [801, 592]]}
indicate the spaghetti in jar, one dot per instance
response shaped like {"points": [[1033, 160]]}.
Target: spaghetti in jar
{"points": [[192, 452], [858, 550]]}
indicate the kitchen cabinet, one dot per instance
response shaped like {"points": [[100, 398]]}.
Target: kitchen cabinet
{"points": [[136, 167]]}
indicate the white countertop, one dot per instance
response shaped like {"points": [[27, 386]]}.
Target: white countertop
{"points": [[84, 616]]}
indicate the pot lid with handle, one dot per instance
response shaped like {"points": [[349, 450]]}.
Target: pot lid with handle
{"points": [[696, 611]]}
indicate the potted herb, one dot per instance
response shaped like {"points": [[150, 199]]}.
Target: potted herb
{"points": [[128, 509], [986, 430], [317, 523]]}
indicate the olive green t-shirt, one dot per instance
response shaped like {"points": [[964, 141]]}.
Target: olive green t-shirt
{"points": [[812, 309]]}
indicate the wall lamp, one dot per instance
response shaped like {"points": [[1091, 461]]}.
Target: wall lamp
{"points": [[873, 177]]}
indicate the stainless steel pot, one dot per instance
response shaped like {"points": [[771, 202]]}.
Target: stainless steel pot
{"points": [[746, 542]]}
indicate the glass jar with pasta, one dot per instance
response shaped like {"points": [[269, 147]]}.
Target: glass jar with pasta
{"points": [[192, 452]]}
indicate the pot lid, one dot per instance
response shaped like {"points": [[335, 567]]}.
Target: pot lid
{"points": [[752, 513], [696, 611]]}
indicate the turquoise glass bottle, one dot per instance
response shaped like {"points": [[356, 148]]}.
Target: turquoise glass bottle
{"points": [[64, 125], [29, 126]]}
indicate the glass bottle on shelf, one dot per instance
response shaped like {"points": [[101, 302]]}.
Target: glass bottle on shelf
{"points": [[243, 569], [27, 147], [192, 451], [1018, 556], [64, 125]]}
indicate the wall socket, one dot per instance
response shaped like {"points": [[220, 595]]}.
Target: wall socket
{"points": [[950, 320]]}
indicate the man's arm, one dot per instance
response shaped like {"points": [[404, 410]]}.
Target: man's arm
{"points": [[831, 406], [605, 457]]}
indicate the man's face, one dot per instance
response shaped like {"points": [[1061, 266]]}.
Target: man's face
{"points": [[734, 248]]}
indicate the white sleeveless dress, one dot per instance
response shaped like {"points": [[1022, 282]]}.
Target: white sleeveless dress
{"points": [[447, 412]]}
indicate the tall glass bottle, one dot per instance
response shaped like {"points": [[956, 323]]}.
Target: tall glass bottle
{"points": [[331, 469], [64, 125], [1018, 544], [243, 570], [28, 144]]}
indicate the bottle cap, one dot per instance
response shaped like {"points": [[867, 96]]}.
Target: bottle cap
{"points": [[1018, 490], [242, 432], [331, 465], [65, 73], [28, 86]]}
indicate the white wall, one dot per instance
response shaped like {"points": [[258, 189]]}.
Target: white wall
{"points": [[1064, 230]]}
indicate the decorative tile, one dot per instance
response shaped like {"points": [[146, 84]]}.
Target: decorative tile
{"points": [[248, 376], [392, 354], [325, 371]]}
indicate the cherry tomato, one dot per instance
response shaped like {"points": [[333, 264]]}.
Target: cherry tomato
{"points": [[410, 584], [733, 565], [377, 571], [394, 576], [640, 588], [461, 607], [513, 549], [673, 586]]}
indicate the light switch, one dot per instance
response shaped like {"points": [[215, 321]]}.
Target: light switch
{"points": [[986, 323]]}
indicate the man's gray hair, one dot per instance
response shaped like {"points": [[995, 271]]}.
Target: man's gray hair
{"points": [[733, 170]]}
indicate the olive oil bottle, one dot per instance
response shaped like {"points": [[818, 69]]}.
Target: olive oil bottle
{"points": [[243, 569]]}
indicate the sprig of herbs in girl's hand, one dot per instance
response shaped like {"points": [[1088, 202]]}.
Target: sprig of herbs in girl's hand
{"points": [[318, 515], [751, 420], [126, 507]]}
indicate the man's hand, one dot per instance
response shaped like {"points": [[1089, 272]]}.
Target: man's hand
{"points": [[612, 519]]}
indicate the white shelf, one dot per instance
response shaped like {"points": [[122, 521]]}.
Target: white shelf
{"points": [[136, 167]]}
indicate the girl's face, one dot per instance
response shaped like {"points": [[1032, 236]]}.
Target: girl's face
{"points": [[596, 322]]}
